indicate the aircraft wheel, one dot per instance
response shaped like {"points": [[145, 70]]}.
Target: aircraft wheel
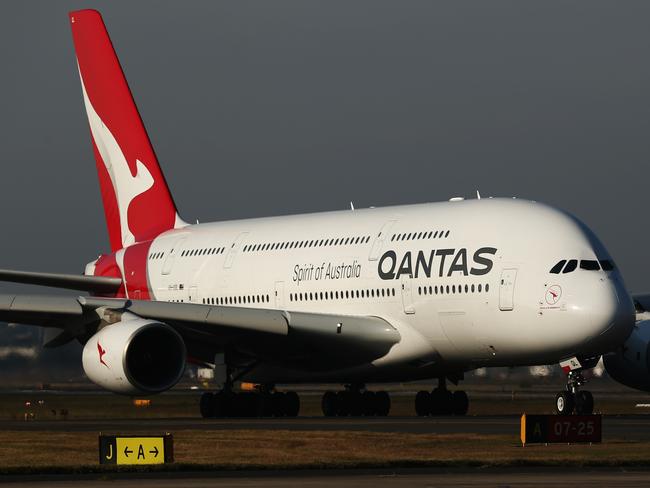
{"points": [[329, 404], [206, 405], [440, 402], [292, 403], [423, 403], [356, 403], [460, 403], [383, 403], [369, 402], [343, 403], [584, 403], [564, 403], [279, 401]]}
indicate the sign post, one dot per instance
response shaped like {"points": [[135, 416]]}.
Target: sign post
{"points": [[567, 429], [136, 449]]}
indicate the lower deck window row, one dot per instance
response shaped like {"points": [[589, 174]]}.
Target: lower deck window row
{"points": [[450, 290], [342, 295]]}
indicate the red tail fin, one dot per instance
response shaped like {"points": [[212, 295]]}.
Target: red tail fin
{"points": [[137, 201]]}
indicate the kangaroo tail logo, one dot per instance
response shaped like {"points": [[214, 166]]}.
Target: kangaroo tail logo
{"points": [[101, 352]]}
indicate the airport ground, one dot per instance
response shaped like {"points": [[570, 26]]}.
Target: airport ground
{"points": [[59, 438]]}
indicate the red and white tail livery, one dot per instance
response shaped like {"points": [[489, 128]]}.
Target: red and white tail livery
{"points": [[137, 201]]}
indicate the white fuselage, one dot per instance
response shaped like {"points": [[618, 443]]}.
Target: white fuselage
{"points": [[466, 283]]}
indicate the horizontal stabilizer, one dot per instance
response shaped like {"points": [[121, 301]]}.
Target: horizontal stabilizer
{"points": [[92, 284]]}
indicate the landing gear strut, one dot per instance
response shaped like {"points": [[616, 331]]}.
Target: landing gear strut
{"points": [[355, 401], [573, 399], [441, 401]]}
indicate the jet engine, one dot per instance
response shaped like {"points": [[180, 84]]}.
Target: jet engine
{"points": [[135, 356], [630, 365]]}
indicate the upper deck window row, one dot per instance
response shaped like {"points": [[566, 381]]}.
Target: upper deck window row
{"points": [[438, 234], [203, 252], [276, 246]]}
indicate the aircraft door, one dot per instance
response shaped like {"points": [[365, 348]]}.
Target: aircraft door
{"points": [[193, 294], [507, 289], [171, 256], [279, 294], [381, 238], [234, 250], [407, 294]]}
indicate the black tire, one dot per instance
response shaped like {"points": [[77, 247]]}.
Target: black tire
{"points": [[292, 403], [279, 402], [584, 403], [343, 403], [460, 403], [206, 405], [382, 400], [564, 403], [356, 403], [440, 402], [267, 404], [369, 403], [227, 404], [423, 403], [329, 404]]}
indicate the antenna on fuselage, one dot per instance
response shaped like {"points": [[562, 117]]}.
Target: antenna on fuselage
{"points": [[352, 206], [478, 195]]}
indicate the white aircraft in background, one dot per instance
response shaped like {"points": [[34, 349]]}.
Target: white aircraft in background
{"points": [[392, 294]]}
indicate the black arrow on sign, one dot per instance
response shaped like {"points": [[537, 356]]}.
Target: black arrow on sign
{"points": [[127, 451], [154, 452]]}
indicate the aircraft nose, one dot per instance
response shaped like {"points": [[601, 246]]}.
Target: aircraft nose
{"points": [[611, 314]]}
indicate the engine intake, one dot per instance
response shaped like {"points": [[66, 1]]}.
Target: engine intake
{"points": [[135, 356]]}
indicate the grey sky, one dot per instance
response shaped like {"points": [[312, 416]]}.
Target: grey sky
{"points": [[261, 108]]}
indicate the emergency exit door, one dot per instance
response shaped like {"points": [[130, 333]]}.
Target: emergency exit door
{"points": [[507, 289], [407, 295]]}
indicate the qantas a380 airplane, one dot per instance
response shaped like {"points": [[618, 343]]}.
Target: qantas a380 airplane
{"points": [[391, 294]]}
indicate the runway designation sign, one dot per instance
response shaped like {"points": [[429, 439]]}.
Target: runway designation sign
{"points": [[127, 449], [568, 429]]}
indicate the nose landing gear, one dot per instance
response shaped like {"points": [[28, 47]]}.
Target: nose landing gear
{"points": [[573, 399]]}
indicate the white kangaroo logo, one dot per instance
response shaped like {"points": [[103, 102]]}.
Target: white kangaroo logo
{"points": [[126, 186]]}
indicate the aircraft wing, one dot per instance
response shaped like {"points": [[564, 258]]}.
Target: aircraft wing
{"points": [[93, 284], [279, 336]]}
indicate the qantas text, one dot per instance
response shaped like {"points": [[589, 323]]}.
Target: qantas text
{"points": [[440, 262]]}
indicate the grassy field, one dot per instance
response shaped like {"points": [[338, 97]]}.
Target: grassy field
{"points": [[242, 449]]}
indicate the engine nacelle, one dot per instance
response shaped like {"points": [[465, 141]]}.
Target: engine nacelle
{"points": [[135, 356], [631, 366]]}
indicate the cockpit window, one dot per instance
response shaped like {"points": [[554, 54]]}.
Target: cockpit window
{"points": [[570, 266], [558, 267], [607, 265], [589, 265]]}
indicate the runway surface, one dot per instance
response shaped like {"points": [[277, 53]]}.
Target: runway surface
{"points": [[521, 478], [629, 427]]}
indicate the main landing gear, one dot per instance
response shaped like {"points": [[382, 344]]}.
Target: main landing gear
{"points": [[355, 401], [573, 399], [441, 401], [264, 403]]}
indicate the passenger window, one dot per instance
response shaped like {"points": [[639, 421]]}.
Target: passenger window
{"points": [[589, 265], [570, 266], [558, 267]]}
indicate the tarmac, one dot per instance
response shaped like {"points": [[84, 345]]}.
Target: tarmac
{"points": [[531, 477], [621, 427]]}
